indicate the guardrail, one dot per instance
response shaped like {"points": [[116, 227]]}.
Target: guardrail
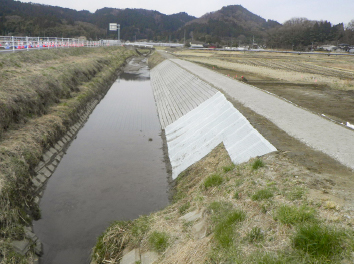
{"points": [[27, 43]]}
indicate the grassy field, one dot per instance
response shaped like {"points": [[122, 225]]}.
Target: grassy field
{"points": [[292, 206], [41, 94]]}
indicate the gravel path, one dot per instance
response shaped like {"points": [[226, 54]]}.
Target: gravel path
{"points": [[315, 131]]}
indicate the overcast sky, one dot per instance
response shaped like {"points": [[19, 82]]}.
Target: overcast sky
{"points": [[337, 11]]}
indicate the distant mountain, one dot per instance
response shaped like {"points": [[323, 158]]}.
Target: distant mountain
{"points": [[231, 25], [230, 22], [30, 19]]}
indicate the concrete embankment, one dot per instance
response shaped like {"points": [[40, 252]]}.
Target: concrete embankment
{"points": [[41, 112], [197, 118]]}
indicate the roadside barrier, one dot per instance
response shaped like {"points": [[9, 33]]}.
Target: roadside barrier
{"points": [[27, 43]]}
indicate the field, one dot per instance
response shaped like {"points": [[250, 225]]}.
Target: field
{"points": [[320, 83]]}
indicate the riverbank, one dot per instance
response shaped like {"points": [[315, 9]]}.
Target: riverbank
{"points": [[292, 206], [43, 96]]}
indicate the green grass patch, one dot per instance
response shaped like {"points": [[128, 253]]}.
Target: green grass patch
{"points": [[228, 168], [320, 241], [293, 215], [262, 194], [258, 163], [213, 180], [158, 241], [225, 218]]}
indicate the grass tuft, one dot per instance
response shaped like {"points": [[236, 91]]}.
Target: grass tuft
{"points": [[224, 218], [262, 195], [159, 241], [228, 168], [293, 215], [258, 163], [213, 180], [319, 241], [255, 235]]}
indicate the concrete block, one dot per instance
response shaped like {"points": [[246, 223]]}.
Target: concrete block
{"points": [[199, 229], [57, 147], [37, 184], [22, 246], [51, 168], [55, 163], [58, 158], [64, 140], [53, 151], [149, 257], [41, 178], [38, 249], [45, 172], [192, 216], [67, 138], [69, 134], [131, 257], [40, 165], [46, 157], [61, 144]]}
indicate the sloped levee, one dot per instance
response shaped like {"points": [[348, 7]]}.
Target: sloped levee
{"points": [[177, 91], [208, 120]]}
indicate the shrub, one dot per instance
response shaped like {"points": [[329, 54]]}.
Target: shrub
{"points": [[262, 195], [159, 241], [292, 215], [213, 180]]}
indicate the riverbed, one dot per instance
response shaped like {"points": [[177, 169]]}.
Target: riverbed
{"points": [[113, 170]]}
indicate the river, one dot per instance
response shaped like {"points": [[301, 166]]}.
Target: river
{"points": [[113, 170]]}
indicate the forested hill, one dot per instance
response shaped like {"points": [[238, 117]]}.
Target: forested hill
{"points": [[28, 19], [231, 25]]}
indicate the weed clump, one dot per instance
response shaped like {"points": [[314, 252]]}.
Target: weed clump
{"points": [[159, 241], [224, 218], [213, 180], [258, 163], [228, 168], [255, 235], [262, 195], [293, 215], [319, 241]]}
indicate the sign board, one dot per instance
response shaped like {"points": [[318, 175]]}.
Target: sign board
{"points": [[113, 26]]}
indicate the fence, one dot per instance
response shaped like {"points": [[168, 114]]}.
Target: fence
{"points": [[26, 43]]}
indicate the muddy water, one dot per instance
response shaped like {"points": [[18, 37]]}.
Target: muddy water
{"points": [[113, 170]]}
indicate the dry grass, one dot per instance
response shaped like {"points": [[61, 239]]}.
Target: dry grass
{"points": [[334, 71], [155, 59], [275, 238]]}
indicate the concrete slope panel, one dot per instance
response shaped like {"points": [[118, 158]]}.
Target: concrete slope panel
{"points": [[194, 135], [177, 91]]}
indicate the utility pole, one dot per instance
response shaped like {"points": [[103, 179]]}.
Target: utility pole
{"points": [[184, 42]]}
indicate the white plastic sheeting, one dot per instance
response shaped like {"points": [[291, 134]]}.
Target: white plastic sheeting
{"points": [[195, 134]]}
